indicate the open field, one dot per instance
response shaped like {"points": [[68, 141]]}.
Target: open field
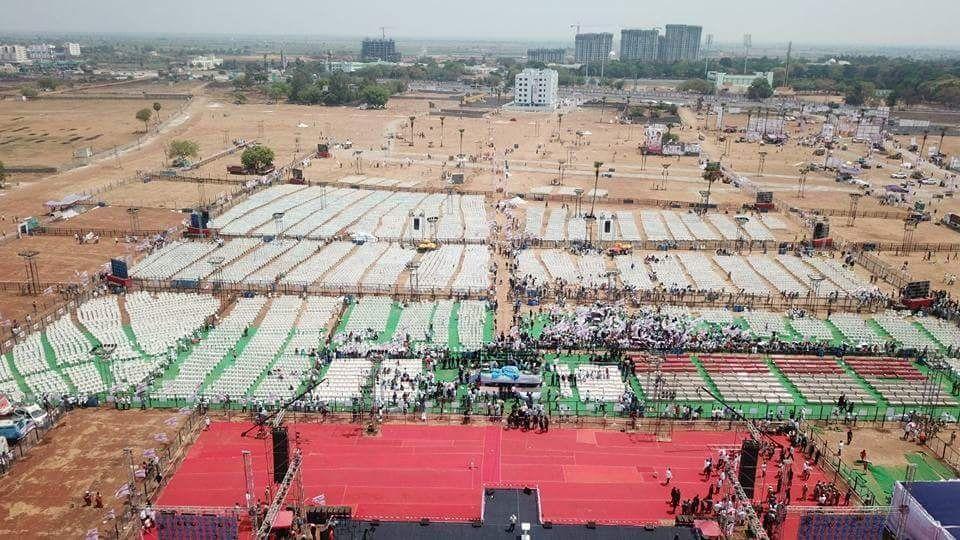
{"points": [[47, 131]]}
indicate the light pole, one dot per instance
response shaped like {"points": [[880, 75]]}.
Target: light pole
{"points": [[560, 167], [215, 269], [596, 181], [278, 224], [358, 154], [442, 118], [461, 130], [663, 176], [815, 281], [134, 219], [560, 128], [412, 119], [854, 203], [741, 221]]}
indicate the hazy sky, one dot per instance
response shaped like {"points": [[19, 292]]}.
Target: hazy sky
{"points": [[875, 22]]}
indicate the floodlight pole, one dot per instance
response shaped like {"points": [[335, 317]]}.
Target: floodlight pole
{"points": [[33, 275]]}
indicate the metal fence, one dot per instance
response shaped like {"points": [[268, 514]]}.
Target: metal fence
{"points": [[22, 447], [946, 451], [831, 463], [882, 270]]}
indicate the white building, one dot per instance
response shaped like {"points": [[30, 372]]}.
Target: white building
{"points": [[41, 52], [206, 63], [737, 83], [15, 54], [71, 49], [536, 88]]}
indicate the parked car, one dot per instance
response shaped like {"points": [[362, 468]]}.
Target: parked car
{"points": [[898, 175], [14, 429]]}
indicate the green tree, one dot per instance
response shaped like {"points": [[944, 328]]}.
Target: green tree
{"points": [[182, 149], [697, 86], [47, 83], [759, 89], [375, 95], [278, 90], [28, 92], [859, 93], [257, 158], [144, 115]]}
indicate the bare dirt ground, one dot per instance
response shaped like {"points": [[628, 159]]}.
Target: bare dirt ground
{"points": [[59, 257], [43, 493], [117, 217], [47, 131], [163, 194]]}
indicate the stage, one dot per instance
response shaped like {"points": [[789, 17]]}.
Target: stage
{"points": [[410, 472]]}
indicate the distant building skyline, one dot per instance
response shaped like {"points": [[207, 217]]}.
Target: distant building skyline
{"points": [[384, 50], [807, 22], [680, 43], [545, 55], [640, 44], [592, 47]]}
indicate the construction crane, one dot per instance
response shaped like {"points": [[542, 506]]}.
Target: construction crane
{"points": [[383, 31], [578, 26]]}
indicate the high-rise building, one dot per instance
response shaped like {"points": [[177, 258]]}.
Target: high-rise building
{"points": [[637, 44], [592, 47], [71, 49], [536, 88], [680, 42], [379, 49], [547, 56], [15, 54]]}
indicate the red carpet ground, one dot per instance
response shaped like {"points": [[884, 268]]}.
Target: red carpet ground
{"points": [[439, 472]]}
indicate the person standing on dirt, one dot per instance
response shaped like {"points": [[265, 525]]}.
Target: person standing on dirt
{"points": [[849, 436]]}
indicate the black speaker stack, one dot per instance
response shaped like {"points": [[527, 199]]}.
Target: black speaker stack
{"points": [[281, 453], [748, 465]]}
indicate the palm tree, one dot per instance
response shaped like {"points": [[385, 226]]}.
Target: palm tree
{"points": [[461, 130], [442, 118], [412, 118], [156, 108], [596, 180]]}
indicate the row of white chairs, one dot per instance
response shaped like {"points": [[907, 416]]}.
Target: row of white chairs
{"points": [[102, 317], [237, 378], [741, 274], [474, 274], [228, 252], [438, 266], [277, 268], [313, 268], [252, 202], [471, 321], [252, 261], [173, 261], [206, 356], [855, 329], [294, 364], [775, 274]]}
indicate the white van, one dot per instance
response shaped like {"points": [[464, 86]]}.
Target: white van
{"points": [[33, 412]]}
